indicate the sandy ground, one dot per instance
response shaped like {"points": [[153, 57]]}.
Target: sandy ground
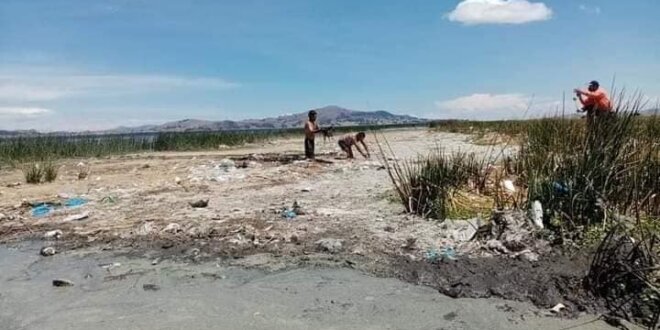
{"points": [[139, 205], [134, 294], [138, 195]]}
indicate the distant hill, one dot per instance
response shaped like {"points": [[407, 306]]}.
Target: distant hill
{"points": [[650, 112], [330, 115], [18, 133]]}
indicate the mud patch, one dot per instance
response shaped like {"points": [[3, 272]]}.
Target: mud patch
{"points": [[555, 278]]}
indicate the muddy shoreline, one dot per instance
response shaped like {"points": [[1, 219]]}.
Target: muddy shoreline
{"points": [[125, 289]]}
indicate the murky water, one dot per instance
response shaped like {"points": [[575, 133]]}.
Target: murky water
{"points": [[112, 292]]}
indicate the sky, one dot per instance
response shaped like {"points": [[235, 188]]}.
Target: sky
{"points": [[90, 65]]}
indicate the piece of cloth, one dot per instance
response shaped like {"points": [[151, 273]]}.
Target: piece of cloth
{"points": [[309, 148], [597, 100]]}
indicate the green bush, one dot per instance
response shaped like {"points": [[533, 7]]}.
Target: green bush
{"points": [[32, 173]]}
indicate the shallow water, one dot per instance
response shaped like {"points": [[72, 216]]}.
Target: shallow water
{"points": [[210, 296]]}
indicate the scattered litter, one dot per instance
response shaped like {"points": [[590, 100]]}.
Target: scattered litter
{"points": [[508, 186], [109, 200], [56, 234], [75, 202], [529, 256], [172, 228], [77, 217], [558, 308], [331, 245], [431, 255], [42, 209], [146, 229], [294, 211], [47, 251], [155, 262], [200, 203], [496, 245], [448, 253], [150, 287], [537, 214], [560, 188], [306, 189], [289, 214], [110, 266], [13, 185], [177, 180], [2, 217], [62, 283]]}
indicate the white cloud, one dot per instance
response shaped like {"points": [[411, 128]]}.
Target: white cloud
{"points": [[595, 10], [473, 12], [19, 113], [483, 106], [43, 87]]}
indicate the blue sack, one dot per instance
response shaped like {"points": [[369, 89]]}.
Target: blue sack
{"points": [[42, 209], [75, 202]]}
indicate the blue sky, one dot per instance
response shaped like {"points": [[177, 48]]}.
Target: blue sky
{"points": [[82, 64]]}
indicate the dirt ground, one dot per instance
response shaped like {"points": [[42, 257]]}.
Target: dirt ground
{"points": [[140, 204]]}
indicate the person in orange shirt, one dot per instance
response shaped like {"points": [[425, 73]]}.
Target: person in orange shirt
{"points": [[594, 100]]}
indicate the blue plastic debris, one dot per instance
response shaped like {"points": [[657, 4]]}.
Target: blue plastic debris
{"points": [[560, 188], [75, 202], [431, 255], [445, 253], [42, 209], [448, 252], [289, 214]]}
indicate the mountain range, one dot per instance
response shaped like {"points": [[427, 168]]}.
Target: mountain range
{"points": [[330, 115]]}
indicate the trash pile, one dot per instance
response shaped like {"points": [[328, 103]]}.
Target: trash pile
{"points": [[509, 233]]}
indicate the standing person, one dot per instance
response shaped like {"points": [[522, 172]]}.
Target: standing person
{"points": [[311, 128], [347, 142], [594, 100]]}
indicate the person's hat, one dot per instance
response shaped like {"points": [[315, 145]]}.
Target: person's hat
{"points": [[594, 83]]}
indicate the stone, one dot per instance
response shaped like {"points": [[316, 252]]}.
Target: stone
{"points": [[47, 251], [331, 245], [56, 234], [62, 283]]}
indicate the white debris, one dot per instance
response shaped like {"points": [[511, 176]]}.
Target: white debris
{"points": [[177, 180], [558, 308], [508, 186], [56, 234], [172, 228], [77, 217], [48, 251], [537, 214], [146, 229]]}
